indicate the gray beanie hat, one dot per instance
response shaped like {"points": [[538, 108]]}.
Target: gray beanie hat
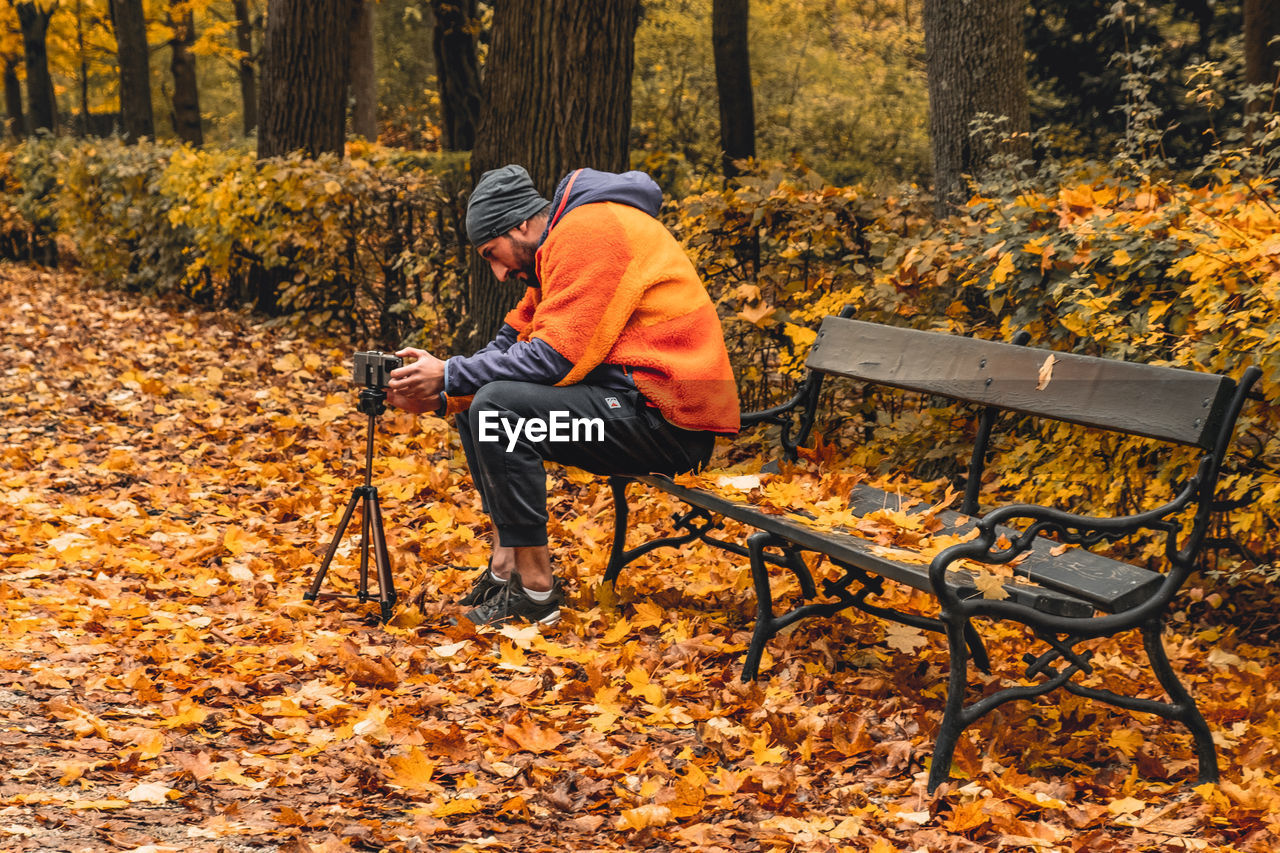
{"points": [[501, 200]]}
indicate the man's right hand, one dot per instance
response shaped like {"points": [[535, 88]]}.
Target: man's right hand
{"points": [[416, 387]]}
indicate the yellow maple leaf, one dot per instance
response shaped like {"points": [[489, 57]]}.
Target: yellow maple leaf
{"points": [[155, 793], [412, 769], [649, 615], [188, 714], [531, 737], [642, 817], [1126, 741], [521, 635], [1004, 268], [760, 315], [765, 754], [904, 638], [230, 771], [287, 363], [990, 585], [1125, 805], [642, 687], [617, 633], [460, 805]]}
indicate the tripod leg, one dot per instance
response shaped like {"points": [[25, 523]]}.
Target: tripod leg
{"points": [[370, 496], [386, 587], [333, 547]]}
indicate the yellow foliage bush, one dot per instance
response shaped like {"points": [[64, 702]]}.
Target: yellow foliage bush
{"points": [[368, 242]]}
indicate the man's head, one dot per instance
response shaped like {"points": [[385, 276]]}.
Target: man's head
{"points": [[505, 217]]}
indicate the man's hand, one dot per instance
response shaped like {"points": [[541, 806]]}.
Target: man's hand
{"points": [[416, 387]]}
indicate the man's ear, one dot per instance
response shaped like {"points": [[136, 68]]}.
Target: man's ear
{"points": [[531, 228]]}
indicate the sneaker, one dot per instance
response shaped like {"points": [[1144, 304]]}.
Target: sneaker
{"points": [[483, 588], [511, 602]]}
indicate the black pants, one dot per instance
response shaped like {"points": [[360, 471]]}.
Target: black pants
{"points": [[513, 427]]}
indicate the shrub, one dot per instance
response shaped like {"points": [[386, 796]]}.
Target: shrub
{"points": [[368, 243]]}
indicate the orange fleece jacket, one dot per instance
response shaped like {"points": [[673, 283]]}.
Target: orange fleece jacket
{"points": [[616, 288]]}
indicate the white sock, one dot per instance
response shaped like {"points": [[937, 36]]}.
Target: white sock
{"points": [[497, 579], [538, 595]]}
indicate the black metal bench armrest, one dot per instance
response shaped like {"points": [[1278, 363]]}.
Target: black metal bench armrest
{"points": [[774, 413], [1069, 528]]}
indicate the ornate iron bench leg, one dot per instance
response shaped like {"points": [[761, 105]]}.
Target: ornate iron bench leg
{"points": [[977, 648], [1186, 711], [953, 717], [621, 512], [794, 561], [765, 627]]}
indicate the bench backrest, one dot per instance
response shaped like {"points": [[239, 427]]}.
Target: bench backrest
{"points": [[1158, 402]]}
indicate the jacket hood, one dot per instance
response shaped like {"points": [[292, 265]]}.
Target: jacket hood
{"points": [[588, 186]]}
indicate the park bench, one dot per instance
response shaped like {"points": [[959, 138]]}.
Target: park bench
{"points": [[1063, 596]]}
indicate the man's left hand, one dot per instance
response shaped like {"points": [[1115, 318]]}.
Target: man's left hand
{"points": [[416, 387]]}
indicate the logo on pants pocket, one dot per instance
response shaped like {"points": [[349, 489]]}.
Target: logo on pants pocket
{"points": [[612, 402]]}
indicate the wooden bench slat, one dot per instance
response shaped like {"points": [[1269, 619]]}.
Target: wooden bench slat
{"points": [[1141, 399], [1111, 585], [864, 554]]}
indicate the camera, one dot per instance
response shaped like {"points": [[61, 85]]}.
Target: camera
{"points": [[373, 369]]}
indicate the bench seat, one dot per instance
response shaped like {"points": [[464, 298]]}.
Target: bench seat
{"points": [[1098, 583]]}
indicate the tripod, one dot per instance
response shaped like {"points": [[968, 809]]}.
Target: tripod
{"points": [[373, 402]]}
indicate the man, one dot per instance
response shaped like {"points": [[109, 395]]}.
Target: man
{"points": [[614, 362]]}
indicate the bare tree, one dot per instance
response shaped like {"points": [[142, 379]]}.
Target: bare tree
{"points": [[733, 82], [305, 70], [34, 18], [13, 98], [457, 71], [182, 62], [130, 24], [1261, 53], [974, 57], [364, 83], [246, 70]]}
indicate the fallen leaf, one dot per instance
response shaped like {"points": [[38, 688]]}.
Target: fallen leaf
{"points": [[1045, 376]]}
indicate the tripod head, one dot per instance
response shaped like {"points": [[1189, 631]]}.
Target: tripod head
{"points": [[373, 401]]}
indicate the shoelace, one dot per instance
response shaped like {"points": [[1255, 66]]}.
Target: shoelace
{"points": [[487, 609]]}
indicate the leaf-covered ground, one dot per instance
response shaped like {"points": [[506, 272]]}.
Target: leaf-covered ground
{"points": [[171, 478]]}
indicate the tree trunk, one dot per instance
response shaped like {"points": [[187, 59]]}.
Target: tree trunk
{"points": [[733, 82], [248, 80], [1261, 25], [13, 99], [457, 71], [83, 53], [186, 92], [975, 62], [364, 82], [40, 103], [305, 70], [556, 96], [130, 24]]}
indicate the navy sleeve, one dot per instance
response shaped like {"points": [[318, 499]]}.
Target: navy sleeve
{"points": [[521, 361], [502, 341]]}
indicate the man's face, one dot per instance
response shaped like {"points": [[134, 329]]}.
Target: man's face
{"points": [[512, 254]]}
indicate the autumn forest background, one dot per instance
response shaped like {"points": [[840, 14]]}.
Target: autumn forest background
{"points": [[207, 205]]}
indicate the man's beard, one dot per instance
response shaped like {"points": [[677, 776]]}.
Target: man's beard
{"points": [[526, 252]]}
